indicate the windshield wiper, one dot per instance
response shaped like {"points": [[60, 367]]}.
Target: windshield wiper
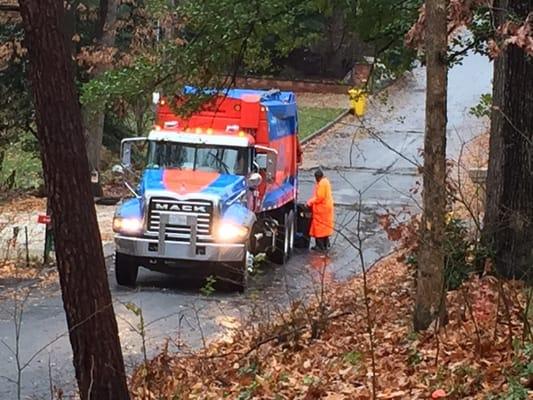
{"points": [[222, 163]]}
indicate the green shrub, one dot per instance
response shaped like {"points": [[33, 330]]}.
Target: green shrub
{"points": [[462, 253], [458, 254], [20, 165]]}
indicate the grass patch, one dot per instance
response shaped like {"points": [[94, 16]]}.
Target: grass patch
{"points": [[22, 157], [312, 119]]}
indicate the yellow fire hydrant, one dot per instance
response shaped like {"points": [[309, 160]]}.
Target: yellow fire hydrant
{"points": [[357, 101]]}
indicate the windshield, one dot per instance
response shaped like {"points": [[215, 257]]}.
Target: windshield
{"points": [[224, 160]]}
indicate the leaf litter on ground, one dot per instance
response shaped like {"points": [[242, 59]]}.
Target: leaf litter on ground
{"points": [[470, 358]]}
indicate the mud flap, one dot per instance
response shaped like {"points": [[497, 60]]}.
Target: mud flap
{"points": [[303, 222]]}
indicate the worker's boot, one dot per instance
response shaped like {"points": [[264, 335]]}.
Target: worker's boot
{"points": [[320, 244]]}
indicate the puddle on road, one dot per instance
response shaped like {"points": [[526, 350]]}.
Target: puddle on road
{"points": [[320, 267]]}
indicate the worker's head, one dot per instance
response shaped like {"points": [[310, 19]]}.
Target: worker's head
{"points": [[318, 175]]}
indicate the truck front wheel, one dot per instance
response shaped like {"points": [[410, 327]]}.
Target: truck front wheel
{"points": [[236, 273], [126, 269], [284, 239]]}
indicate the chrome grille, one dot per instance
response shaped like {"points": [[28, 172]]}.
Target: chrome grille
{"points": [[202, 209]]}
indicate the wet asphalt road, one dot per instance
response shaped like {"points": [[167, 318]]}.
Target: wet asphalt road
{"points": [[378, 176]]}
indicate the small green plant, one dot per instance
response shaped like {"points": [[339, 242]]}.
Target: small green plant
{"points": [[522, 368], [442, 375], [209, 287], [412, 336], [523, 359], [515, 391], [457, 248], [353, 358], [140, 328], [259, 259], [411, 260], [309, 380], [250, 369], [465, 380], [464, 370], [256, 264], [20, 165], [414, 358], [462, 254], [483, 108], [248, 392]]}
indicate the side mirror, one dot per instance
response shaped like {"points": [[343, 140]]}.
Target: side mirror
{"points": [[125, 156], [125, 150], [262, 161], [254, 180], [268, 162]]}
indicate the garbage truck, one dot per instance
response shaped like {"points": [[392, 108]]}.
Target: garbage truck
{"points": [[217, 187]]}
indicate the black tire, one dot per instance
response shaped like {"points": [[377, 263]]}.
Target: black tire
{"points": [[281, 254], [303, 223], [302, 243], [126, 270], [235, 274]]}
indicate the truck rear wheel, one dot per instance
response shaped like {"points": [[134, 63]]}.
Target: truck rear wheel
{"points": [[303, 223], [284, 239], [126, 270]]}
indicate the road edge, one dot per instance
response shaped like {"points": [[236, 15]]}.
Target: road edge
{"points": [[337, 119]]}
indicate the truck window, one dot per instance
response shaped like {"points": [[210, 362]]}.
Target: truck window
{"points": [[224, 160]]}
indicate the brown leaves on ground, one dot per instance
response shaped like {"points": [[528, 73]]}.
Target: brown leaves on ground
{"points": [[13, 272], [115, 188], [20, 210], [22, 204], [467, 359], [323, 100]]}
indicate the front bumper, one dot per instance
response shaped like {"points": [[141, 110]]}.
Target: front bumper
{"points": [[153, 248]]}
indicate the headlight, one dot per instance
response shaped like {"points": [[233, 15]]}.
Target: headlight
{"points": [[127, 225], [229, 232]]}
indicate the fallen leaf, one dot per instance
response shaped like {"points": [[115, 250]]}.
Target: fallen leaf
{"points": [[438, 394]]}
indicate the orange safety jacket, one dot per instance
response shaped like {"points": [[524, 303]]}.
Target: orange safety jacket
{"points": [[322, 206]]}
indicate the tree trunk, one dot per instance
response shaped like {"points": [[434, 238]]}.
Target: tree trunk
{"points": [[93, 120], [80, 261], [508, 225], [169, 23], [430, 294]]}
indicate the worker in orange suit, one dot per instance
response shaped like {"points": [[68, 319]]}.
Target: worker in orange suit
{"points": [[323, 212]]}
